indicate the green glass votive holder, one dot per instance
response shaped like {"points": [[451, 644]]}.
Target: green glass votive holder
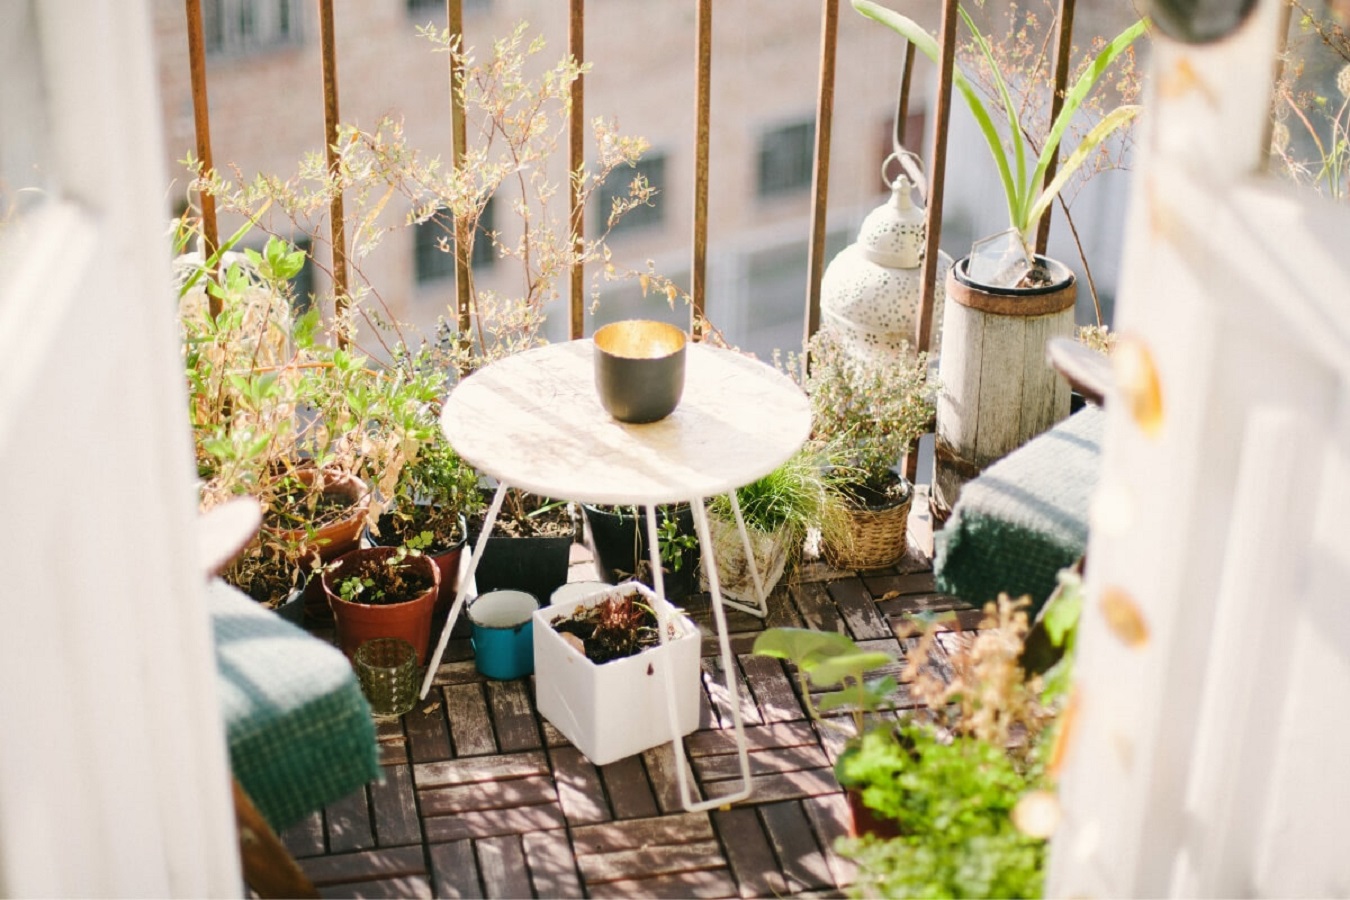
{"points": [[387, 670]]}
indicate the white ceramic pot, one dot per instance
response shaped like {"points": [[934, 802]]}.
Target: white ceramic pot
{"points": [[733, 568], [620, 708]]}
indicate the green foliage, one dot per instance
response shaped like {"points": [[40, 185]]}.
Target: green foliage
{"points": [[828, 659], [792, 498], [1026, 194], [954, 801]]}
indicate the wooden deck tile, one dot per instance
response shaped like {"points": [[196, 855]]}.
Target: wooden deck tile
{"points": [[661, 772], [707, 883], [513, 711], [502, 793], [782, 612], [772, 736], [428, 736], [494, 822], [880, 586], [774, 695], [777, 786], [762, 762], [305, 838], [830, 819], [644, 862], [715, 682], [392, 742], [630, 793], [348, 823], [553, 868], [482, 768], [790, 833], [367, 865], [454, 870], [470, 725], [394, 807], [749, 853], [407, 886], [859, 611], [579, 788], [610, 837], [456, 669], [817, 608], [501, 862]]}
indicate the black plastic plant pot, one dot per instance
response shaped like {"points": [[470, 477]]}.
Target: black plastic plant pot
{"points": [[536, 565], [639, 369], [619, 542]]}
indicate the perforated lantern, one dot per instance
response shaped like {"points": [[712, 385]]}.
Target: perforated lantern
{"points": [[871, 291]]}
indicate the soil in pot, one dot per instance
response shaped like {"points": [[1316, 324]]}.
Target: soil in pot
{"points": [[615, 628], [530, 547], [445, 550], [618, 536]]}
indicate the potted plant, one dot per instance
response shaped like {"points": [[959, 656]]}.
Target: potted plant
{"points": [[778, 511], [955, 798], [864, 417], [379, 592], [618, 536], [530, 546], [1002, 302], [434, 495], [303, 426], [606, 678]]}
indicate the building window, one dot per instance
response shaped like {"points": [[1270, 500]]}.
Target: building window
{"points": [[420, 9], [785, 158], [431, 262], [653, 168], [238, 27]]}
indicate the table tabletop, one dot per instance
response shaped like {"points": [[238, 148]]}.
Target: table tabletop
{"points": [[534, 421]]}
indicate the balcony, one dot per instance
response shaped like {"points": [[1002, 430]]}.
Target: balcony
{"points": [[1223, 481]]}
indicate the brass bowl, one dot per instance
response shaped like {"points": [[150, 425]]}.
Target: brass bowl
{"points": [[639, 369]]}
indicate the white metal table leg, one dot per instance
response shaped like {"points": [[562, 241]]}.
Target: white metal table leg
{"points": [[761, 610], [434, 663], [728, 667]]}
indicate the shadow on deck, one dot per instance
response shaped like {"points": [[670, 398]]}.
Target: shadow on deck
{"points": [[483, 797]]}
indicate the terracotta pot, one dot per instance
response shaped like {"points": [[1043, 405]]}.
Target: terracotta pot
{"points": [[330, 541], [446, 559], [359, 622], [865, 820]]}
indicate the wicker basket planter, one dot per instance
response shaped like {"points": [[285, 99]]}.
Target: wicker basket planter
{"points": [[876, 537]]}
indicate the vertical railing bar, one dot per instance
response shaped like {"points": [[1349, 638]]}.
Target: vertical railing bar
{"points": [[576, 130], [1063, 48], [702, 133], [936, 186], [201, 120], [454, 20], [902, 102], [337, 229], [820, 181]]}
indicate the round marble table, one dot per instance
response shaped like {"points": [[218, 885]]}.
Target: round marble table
{"points": [[533, 421]]}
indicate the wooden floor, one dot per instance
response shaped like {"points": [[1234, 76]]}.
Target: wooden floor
{"points": [[484, 798]]}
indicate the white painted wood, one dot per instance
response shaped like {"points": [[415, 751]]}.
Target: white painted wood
{"points": [[113, 772], [1045, 394], [998, 415], [1210, 760]]}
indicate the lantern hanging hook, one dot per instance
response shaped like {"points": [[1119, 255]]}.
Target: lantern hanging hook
{"points": [[911, 168]]}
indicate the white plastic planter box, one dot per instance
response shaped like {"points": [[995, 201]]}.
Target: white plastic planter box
{"points": [[614, 710]]}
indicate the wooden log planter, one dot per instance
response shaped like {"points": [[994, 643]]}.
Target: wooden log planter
{"points": [[997, 389]]}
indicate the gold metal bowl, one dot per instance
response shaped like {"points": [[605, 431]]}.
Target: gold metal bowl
{"points": [[639, 369]]}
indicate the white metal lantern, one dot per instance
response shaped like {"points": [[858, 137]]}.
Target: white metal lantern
{"points": [[871, 291]]}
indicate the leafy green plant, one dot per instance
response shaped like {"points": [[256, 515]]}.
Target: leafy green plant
{"points": [[1022, 171], [955, 800], [377, 581]]}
